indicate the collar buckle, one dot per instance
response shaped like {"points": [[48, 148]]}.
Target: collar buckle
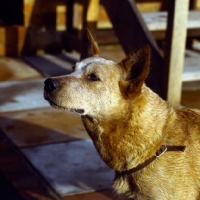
{"points": [[161, 151]]}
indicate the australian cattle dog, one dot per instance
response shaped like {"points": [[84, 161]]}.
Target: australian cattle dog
{"points": [[153, 147]]}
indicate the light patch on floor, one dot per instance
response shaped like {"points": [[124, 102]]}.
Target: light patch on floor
{"points": [[71, 168], [22, 95]]}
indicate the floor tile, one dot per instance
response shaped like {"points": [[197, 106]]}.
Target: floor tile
{"points": [[42, 126], [72, 167]]}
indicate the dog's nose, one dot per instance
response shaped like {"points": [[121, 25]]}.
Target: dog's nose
{"points": [[50, 85]]}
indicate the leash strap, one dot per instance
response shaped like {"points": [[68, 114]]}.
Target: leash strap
{"points": [[158, 153]]}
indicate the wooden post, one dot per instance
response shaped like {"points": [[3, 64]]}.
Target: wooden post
{"points": [[175, 49]]}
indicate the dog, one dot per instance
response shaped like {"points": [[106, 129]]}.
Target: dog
{"points": [[153, 147]]}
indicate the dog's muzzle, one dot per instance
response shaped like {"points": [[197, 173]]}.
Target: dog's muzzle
{"points": [[50, 85]]}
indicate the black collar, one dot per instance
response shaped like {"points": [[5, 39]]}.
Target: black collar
{"points": [[158, 153]]}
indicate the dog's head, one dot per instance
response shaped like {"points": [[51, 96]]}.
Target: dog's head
{"points": [[98, 86]]}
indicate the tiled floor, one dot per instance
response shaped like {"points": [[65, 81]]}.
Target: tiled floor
{"points": [[46, 153]]}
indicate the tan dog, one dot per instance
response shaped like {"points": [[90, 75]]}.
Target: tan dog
{"points": [[129, 124]]}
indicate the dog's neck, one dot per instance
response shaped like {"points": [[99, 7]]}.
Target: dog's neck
{"points": [[124, 141]]}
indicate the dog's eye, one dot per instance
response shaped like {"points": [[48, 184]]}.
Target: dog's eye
{"points": [[73, 68], [93, 77]]}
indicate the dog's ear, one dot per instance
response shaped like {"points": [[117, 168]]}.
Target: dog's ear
{"points": [[135, 69], [88, 46]]}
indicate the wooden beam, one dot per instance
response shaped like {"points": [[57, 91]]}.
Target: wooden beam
{"points": [[175, 49], [133, 33]]}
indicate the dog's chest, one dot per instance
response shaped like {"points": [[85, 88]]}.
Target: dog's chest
{"points": [[93, 127]]}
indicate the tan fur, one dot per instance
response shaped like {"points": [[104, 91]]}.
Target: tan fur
{"points": [[128, 123]]}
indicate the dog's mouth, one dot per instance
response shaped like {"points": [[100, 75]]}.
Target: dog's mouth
{"points": [[55, 105]]}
